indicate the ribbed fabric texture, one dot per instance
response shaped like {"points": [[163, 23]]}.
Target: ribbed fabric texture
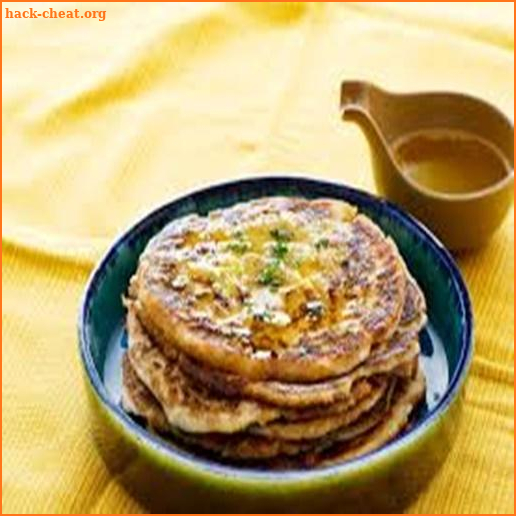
{"points": [[104, 120]]}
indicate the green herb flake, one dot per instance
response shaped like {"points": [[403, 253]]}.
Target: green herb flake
{"points": [[280, 250], [270, 276], [239, 246], [281, 235], [322, 243]]}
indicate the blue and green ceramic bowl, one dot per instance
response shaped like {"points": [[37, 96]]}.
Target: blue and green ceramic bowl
{"points": [[166, 478]]}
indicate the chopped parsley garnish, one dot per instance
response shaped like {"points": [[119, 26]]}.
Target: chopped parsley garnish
{"points": [[270, 275], [281, 235], [239, 246], [322, 243], [280, 247], [280, 250]]}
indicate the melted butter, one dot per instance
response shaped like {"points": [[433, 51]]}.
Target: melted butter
{"points": [[225, 277], [451, 162]]}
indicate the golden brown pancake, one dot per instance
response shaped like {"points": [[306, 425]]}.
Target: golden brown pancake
{"points": [[413, 316], [185, 405], [278, 288], [243, 447], [319, 427], [402, 348], [192, 408], [370, 432], [395, 354], [393, 422], [360, 435], [280, 332], [139, 401], [360, 390]]}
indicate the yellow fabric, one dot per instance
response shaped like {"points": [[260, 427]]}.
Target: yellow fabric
{"points": [[103, 120]]}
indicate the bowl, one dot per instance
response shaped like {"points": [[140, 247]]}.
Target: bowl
{"points": [[168, 478]]}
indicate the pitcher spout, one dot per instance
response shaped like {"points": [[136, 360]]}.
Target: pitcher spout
{"points": [[362, 103], [354, 95]]}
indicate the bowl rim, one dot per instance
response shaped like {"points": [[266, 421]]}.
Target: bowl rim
{"points": [[176, 455]]}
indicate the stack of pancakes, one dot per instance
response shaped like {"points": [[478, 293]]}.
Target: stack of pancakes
{"points": [[280, 332]]}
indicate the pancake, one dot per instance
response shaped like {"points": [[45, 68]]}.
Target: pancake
{"points": [[139, 401], [319, 427], [407, 369], [370, 432], [360, 435], [243, 447], [399, 350], [402, 348], [191, 407], [393, 422], [275, 289], [360, 390], [413, 316], [186, 406], [277, 333]]}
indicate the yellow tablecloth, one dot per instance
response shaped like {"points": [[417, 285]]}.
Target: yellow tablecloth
{"points": [[103, 120]]}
